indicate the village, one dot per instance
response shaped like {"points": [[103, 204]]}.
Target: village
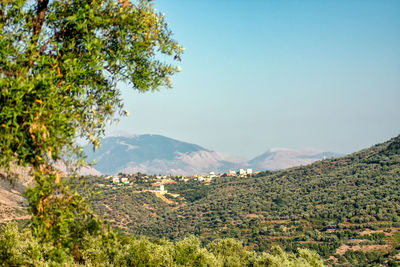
{"points": [[126, 179], [156, 183]]}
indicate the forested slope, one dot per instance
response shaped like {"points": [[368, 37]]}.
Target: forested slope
{"points": [[346, 208]]}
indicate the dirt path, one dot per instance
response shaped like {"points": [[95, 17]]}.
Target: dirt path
{"points": [[364, 248], [163, 198]]}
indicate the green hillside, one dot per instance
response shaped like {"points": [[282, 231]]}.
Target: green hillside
{"points": [[347, 209]]}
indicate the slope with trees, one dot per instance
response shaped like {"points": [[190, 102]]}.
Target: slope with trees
{"points": [[344, 208]]}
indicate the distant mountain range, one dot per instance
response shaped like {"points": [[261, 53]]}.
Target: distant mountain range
{"points": [[156, 154], [282, 158]]}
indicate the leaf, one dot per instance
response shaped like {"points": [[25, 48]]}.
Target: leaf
{"points": [[57, 179]]}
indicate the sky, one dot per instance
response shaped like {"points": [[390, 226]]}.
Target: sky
{"points": [[263, 74]]}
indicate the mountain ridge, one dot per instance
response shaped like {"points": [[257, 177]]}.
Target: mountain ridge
{"points": [[157, 154]]}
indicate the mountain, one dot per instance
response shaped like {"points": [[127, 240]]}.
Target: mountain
{"points": [[13, 205], [82, 171], [156, 154], [282, 158]]}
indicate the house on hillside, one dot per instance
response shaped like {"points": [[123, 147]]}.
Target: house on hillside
{"points": [[124, 180], [160, 190]]}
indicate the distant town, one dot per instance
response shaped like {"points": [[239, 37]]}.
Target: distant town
{"points": [[122, 178], [158, 181]]}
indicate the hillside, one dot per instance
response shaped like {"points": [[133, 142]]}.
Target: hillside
{"points": [[348, 209], [13, 205], [282, 158]]}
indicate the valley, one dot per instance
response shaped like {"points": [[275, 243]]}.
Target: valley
{"points": [[347, 209]]}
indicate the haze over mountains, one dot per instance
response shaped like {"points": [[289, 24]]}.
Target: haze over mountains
{"points": [[156, 154]]}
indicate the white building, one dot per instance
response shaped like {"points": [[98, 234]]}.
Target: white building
{"points": [[124, 180], [115, 180], [249, 171], [160, 190], [242, 172], [230, 172]]}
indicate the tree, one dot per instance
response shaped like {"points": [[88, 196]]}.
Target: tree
{"points": [[60, 65]]}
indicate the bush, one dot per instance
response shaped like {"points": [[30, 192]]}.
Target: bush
{"points": [[21, 248]]}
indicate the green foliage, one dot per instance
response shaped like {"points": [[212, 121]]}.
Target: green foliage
{"points": [[59, 214], [279, 258], [60, 64], [191, 190], [231, 253], [109, 249], [23, 249], [188, 253]]}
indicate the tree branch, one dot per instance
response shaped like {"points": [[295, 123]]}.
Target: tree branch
{"points": [[49, 41], [46, 44], [8, 73], [38, 22], [2, 12], [2, 16]]}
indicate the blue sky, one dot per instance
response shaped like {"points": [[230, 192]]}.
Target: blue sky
{"points": [[262, 74]]}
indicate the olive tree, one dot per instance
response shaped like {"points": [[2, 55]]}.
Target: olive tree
{"points": [[61, 63]]}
